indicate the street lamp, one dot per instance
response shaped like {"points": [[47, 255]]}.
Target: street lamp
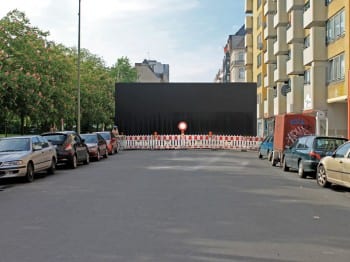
{"points": [[78, 82]]}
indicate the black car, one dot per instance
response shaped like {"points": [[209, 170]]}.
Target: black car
{"points": [[71, 148], [306, 152]]}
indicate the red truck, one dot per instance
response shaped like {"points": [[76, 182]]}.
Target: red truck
{"points": [[288, 128]]}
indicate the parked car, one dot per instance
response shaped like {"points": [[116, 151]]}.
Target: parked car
{"points": [[266, 147], [97, 146], [336, 168], [306, 152], [71, 148], [113, 144], [25, 155]]}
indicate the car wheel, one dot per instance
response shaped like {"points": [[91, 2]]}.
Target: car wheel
{"points": [[51, 170], [301, 171], [273, 160], [269, 156], [74, 162], [321, 177], [98, 156], [260, 155], [30, 173], [106, 153], [87, 158], [284, 164]]}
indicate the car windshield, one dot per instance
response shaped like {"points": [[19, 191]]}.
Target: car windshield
{"points": [[106, 136], [56, 138], [14, 144], [328, 144], [89, 138]]}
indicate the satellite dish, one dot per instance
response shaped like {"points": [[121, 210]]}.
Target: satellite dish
{"points": [[285, 89]]}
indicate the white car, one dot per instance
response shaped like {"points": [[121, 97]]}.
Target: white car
{"points": [[22, 156], [335, 169]]}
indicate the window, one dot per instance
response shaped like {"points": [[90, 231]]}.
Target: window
{"points": [[307, 41], [336, 27], [258, 21], [259, 4], [336, 69], [241, 73], [259, 42], [258, 80], [258, 60], [307, 77]]}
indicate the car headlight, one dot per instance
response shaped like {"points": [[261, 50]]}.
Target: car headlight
{"points": [[13, 163]]}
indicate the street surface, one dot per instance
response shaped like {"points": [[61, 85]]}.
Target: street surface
{"points": [[161, 206]]}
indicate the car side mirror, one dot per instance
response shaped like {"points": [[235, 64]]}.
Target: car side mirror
{"points": [[83, 140]]}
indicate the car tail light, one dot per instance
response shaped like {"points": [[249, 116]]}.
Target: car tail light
{"points": [[315, 155]]}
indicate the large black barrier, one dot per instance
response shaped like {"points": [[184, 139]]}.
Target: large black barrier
{"points": [[145, 108]]}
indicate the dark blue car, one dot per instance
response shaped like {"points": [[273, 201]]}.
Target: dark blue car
{"points": [[266, 147]]}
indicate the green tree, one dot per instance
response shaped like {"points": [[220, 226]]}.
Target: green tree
{"points": [[35, 74], [123, 72]]}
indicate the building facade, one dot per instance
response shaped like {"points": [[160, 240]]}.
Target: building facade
{"points": [[233, 65], [151, 71], [298, 54]]}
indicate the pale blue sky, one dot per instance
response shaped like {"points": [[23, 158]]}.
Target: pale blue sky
{"points": [[189, 35]]}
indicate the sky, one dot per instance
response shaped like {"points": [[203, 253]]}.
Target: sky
{"points": [[189, 35]]}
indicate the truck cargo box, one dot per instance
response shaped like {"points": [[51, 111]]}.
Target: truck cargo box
{"points": [[289, 127]]}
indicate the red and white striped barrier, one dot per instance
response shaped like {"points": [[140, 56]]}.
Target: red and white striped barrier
{"points": [[163, 142]]}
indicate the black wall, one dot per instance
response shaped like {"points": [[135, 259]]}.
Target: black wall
{"points": [[143, 108]]}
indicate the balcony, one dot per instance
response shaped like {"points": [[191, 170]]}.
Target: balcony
{"points": [[315, 93], [260, 111], [315, 13], [249, 23], [269, 31], [295, 33], [294, 5], [281, 17], [295, 65], [268, 103], [269, 56], [269, 78], [248, 40], [317, 49], [248, 6], [270, 7], [281, 46], [280, 73], [295, 98]]}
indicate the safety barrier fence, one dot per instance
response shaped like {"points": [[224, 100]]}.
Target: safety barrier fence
{"points": [[163, 142]]}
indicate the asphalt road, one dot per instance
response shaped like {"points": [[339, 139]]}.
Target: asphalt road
{"points": [[182, 206]]}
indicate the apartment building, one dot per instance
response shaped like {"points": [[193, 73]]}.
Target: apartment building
{"points": [[152, 71], [233, 65], [298, 54]]}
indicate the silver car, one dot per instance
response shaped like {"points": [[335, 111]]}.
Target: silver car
{"points": [[23, 156]]}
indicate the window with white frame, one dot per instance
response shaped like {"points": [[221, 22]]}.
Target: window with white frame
{"points": [[336, 69], [258, 80], [336, 26], [241, 73]]}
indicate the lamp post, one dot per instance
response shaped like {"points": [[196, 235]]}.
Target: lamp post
{"points": [[78, 82]]}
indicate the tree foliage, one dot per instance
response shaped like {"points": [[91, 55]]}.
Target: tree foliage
{"points": [[38, 79]]}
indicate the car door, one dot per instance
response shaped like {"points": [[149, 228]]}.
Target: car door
{"points": [[346, 169], [102, 143], [37, 154], [300, 152], [335, 166], [48, 151], [79, 147]]}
